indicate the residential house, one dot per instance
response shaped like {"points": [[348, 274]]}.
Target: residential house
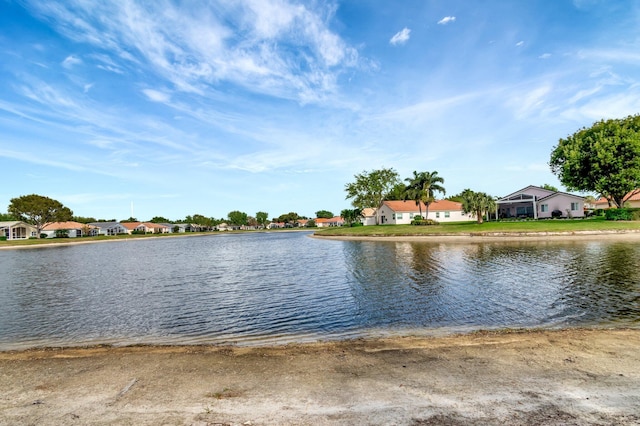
{"points": [[632, 199], [325, 223], [110, 228], [146, 227], [539, 203], [368, 216], [403, 212], [17, 230], [71, 229], [276, 225]]}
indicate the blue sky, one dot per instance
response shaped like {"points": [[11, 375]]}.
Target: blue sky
{"points": [[204, 107]]}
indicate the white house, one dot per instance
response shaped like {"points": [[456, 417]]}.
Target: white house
{"points": [[71, 228], [368, 216], [17, 230], [539, 203], [403, 212], [326, 223], [110, 228]]}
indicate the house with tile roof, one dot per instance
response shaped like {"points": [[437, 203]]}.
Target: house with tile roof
{"points": [[632, 199], [539, 203], [146, 227], [403, 212], [70, 229], [110, 228], [17, 230], [325, 223]]}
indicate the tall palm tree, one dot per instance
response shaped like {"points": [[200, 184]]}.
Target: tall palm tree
{"points": [[422, 188], [477, 203]]}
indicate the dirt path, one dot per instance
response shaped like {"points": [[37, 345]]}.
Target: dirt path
{"points": [[571, 377]]}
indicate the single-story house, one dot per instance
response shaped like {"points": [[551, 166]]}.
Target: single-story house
{"points": [[110, 228], [368, 216], [17, 230], [539, 203], [71, 228], [146, 227], [403, 212], [632, 199], [322, 222]]}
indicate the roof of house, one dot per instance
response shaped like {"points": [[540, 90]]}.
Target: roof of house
{"points": [[523, 191], [368, 212], [332, 220], [56, 226], [130, 225], [631, 196], [411, 206], [13, 223]]}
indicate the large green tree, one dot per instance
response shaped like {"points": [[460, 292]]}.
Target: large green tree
{"points": [[604, 158], [422, 187], [325, 214], [237, 218], [262, 218], [39, 210], [370, 188], [477, 203]]}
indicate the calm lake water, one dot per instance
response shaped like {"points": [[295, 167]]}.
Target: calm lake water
{"points": [[265, 288]]}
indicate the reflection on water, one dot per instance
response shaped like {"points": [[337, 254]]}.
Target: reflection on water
{"points": [[279, 287]]}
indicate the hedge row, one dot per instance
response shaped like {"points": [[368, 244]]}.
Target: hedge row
{"points": [[622, 214]]}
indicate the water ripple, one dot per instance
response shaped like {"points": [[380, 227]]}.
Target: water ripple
{"points": [[283, 287]]}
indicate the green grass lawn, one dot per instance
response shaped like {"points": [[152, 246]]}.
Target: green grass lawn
{"points": [[552, 225], [45, 241]]}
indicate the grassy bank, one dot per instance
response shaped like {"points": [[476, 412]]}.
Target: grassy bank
{"points": [[47, 241], [473, 228]]}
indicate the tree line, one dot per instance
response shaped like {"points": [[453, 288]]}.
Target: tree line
{"points": [[603, 159], [371, 188]]}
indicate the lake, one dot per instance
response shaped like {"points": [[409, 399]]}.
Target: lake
{"points": [[280, 287]]}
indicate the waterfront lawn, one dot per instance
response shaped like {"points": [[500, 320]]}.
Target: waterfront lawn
{"points": [[45, 241], [473, 228]]}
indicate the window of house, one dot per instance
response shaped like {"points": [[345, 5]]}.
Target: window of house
{"points": [[399, 216], [393, 216], [574, 206], [447, 214], [544, 208], [410, 215], [437, 215]]}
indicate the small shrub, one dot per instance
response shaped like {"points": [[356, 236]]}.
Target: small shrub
{"points": [[424, 222], [3, 238], [556, 214]]}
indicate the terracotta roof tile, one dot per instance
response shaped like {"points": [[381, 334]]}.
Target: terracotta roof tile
{"points": [[410, 206]]}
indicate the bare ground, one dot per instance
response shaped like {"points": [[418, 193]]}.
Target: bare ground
{"points": [[570, 377]]}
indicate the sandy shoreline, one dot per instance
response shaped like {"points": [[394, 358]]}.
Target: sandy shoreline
{"points": [[577, 377]]}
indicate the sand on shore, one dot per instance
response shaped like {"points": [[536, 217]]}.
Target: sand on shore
{"points": [[568, 377]]}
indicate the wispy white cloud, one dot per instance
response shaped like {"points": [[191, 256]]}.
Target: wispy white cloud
{"points": [[274, 47], [156, 96], [401, 37], [447, 20], [544, 56], [520, 43], [70, 61]]}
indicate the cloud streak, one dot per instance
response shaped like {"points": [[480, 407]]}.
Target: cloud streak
{"points": [[401, 37]]}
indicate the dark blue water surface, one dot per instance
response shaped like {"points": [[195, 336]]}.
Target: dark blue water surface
{"points": [[264, 288]]}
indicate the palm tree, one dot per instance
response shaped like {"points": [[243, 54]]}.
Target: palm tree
{"points": [[422, 188], [477, 203], [351, 216]]}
